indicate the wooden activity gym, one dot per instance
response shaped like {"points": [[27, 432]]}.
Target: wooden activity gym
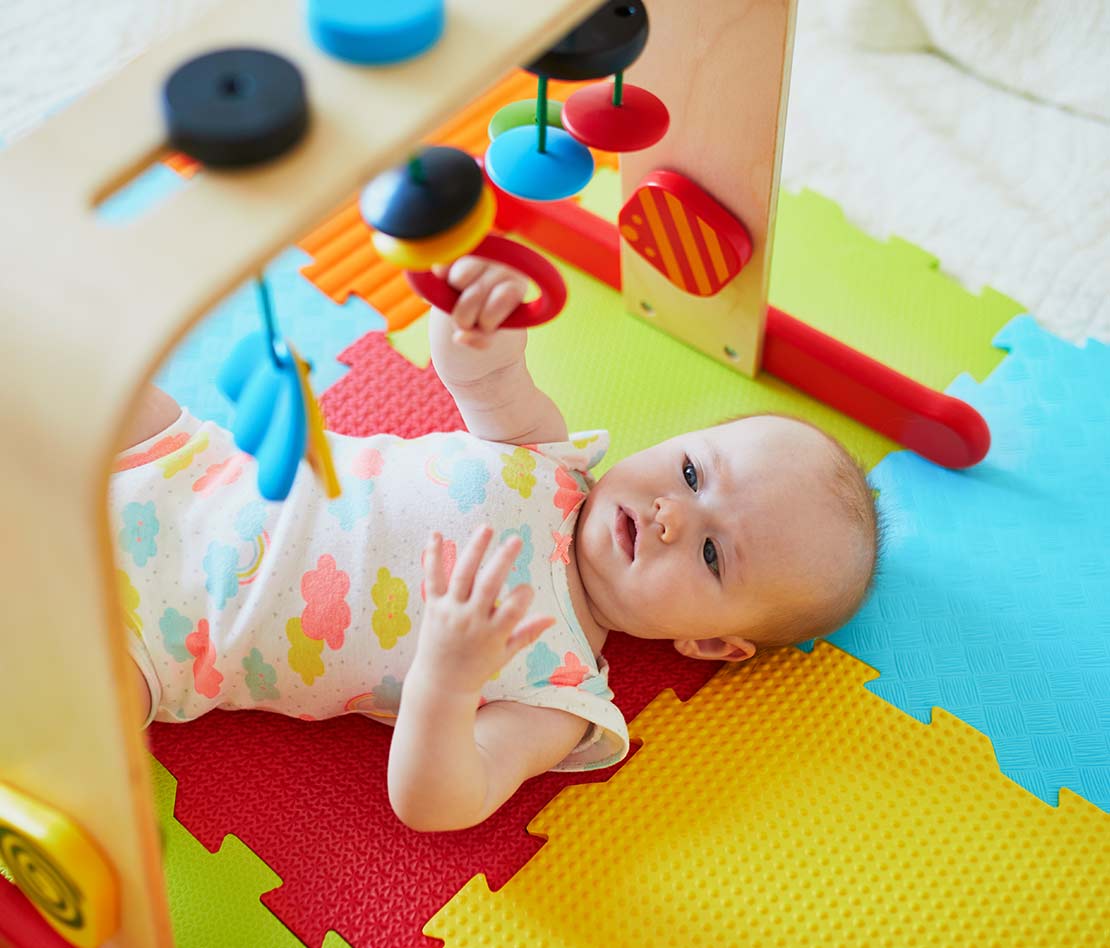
{"points": [[896, 785]]}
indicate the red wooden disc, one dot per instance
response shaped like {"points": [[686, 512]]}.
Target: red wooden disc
{"points": [[638, 122]]}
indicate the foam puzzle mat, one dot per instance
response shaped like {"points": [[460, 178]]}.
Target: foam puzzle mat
{"points": [[800, 799], [783, 805], [994, 597], [317, 814]]}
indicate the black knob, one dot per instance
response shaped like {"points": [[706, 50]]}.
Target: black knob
{"points": [[235, 107], [604, 44], [425, 197]]}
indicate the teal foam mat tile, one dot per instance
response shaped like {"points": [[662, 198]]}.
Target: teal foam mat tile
{"points": [[154, 184], [993, 598], [318, 327]]}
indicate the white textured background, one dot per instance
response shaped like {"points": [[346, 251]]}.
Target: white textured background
{"points": [[976, 129]]}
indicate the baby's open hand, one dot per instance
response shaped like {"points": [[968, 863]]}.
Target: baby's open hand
{"points": [[466, 636], [488, 293]]}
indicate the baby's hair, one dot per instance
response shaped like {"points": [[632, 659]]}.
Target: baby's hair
{"points": [[852, 492]]}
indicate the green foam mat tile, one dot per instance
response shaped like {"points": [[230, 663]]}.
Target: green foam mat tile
{"points": [[214, 897], [605, 368]]}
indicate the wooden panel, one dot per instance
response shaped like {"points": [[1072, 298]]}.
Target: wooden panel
{"points": [[722, 67], [89, 309]]}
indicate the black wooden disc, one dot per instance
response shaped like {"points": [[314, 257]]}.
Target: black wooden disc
{"points": [[235, 107], [606, 43], [414, 205]]}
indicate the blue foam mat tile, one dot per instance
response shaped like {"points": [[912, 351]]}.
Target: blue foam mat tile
{"points": [[154, 184], [993, 597], [320, 329]]}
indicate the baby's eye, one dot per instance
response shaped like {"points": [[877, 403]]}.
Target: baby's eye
{"points": [[690, 473], [709, 554]]}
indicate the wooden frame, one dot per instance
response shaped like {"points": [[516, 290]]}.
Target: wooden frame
{"points": [[89, 309], [723, 72]]}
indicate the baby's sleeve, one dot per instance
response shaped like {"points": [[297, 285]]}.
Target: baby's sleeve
{"points": [[581, 452], [579, 685]]}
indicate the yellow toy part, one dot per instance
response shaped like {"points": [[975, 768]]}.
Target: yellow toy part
{"points": [[443, 248], [59, 868], [317, 450]]}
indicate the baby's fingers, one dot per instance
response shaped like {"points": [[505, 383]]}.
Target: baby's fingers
{"points": [[434, 582], [512, 608], [462, 578], [493, 575], [465, 271], [526, 633], [474, 338], [502, 300]]}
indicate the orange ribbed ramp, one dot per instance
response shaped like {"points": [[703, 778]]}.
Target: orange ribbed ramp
{"points": [[344, 261]]}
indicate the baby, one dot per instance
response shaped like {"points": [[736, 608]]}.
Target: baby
{"points": [[755, 533]]}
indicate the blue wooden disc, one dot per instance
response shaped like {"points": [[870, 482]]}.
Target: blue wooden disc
{"points": [[515, 164], [375, 31], [270, 414]]}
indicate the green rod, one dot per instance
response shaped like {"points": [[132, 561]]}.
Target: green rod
{"points": [[541, 113]]}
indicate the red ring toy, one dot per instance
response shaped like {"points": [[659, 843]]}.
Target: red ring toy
{"points": [[548, 305]]}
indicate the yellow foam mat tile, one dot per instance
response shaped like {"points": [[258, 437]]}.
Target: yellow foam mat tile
{"points": [[784, 805]]}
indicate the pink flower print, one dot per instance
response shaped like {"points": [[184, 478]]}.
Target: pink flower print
{"points": [[205, 676], [217, 475], [368, 463], [326, 613], [167, 445], [562, 546], [571, 673], [569, 495], [450, 554]]}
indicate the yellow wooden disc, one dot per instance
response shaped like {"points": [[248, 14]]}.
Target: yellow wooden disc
{"points": [[445, 247], [59, 867], [317, 450]]}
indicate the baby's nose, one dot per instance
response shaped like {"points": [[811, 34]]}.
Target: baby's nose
{"points": [[669, 517]]}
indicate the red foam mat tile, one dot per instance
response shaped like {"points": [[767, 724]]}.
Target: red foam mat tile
{"points": [[383, 391], [310, 800]]}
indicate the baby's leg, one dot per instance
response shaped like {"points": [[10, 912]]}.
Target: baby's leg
{"points": [[155, 412], [142, 689]]}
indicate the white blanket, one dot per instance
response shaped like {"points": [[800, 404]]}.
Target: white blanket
{"points": [[1005, 190], [936, 120]]}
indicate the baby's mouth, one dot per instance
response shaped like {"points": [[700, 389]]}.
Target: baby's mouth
{"points": [[626, 533]]}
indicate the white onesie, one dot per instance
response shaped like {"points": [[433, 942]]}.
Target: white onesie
{"points": [[312, 607]]}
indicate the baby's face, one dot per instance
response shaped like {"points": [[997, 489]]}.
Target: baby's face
{"points": [[707, 534]]}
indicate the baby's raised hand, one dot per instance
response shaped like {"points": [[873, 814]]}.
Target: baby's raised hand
{"points": [[488, 293], [466, 636]]}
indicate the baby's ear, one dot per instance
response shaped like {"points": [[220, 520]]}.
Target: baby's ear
{"points": [[728, 648]]}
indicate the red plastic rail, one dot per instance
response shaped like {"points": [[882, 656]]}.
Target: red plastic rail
{"points": [[941, 428]]}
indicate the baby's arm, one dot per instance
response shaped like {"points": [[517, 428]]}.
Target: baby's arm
{"points": [[483, 366], [452, 764]]}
